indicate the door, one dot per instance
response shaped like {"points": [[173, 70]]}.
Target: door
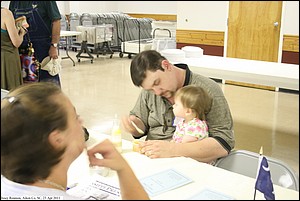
{"points": [[254, 30]]}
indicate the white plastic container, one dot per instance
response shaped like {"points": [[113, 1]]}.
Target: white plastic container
{"points": [[116, 134], [192, 51], [173, 55]]}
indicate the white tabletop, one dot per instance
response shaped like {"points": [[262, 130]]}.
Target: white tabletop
{"points": [[69, 33], [204, 176], [274, 74]]}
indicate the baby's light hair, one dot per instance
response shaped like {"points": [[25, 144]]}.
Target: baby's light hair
{"points": [[195, 98]]}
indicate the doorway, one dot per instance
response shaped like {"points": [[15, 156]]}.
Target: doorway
{"points": [[254, 32]]}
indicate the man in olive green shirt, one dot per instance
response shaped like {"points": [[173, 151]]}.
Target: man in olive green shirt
{"points": [[153, 111]]}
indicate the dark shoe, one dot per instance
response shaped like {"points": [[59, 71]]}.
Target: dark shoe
{"points": [[86, 134]]}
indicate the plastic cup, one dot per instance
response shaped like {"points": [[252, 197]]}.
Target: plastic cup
{"points": [[135, 145]]}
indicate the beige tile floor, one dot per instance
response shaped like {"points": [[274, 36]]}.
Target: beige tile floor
{"points": [[101, 89]]}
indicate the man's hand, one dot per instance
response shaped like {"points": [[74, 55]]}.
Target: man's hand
{"points": [[133, 125], [53, 52], [158, 148]]}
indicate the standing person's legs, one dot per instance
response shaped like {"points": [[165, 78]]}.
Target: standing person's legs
{"points": [[41, 51], [46, 77]]}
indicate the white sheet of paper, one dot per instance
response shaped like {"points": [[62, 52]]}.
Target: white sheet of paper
{"points": [[208, 194], [96, 187]]}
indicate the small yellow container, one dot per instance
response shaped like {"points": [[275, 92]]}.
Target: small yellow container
{"points": [[135, 145]]}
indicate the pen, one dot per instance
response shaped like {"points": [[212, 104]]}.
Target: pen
{"points": [[72, 186]]}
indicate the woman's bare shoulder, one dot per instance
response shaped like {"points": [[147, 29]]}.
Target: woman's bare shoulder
{"points": [[5, 10], [6, 18], [5, 13]]}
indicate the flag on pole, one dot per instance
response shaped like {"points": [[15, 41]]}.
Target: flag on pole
{"points": [[263, 180]]}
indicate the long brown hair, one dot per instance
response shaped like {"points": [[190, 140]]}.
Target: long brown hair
{"points": [[28, 115]]}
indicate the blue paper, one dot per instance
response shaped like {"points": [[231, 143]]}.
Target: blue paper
{"points": [[208, 194], [164, 181]]}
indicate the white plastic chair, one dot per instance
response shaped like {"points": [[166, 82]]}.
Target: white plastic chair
{"points": [[246, 163]]}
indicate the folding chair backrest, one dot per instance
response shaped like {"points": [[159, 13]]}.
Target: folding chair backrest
{"points": [[3, 93], [246, 163]]}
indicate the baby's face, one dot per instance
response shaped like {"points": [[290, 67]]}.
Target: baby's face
{"points": [[178, 109]]}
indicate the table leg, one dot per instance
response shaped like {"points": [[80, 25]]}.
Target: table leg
{"points": [[67, 52]]}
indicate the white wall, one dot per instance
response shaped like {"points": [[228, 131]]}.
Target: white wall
{"points": [[80, 7], [149, 7], [193, 15], [290, 22], [212, 15], [202, 15], [62, 6], [157, 7]]}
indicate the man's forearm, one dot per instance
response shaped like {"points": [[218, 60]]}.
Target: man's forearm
{"points": [[55, 31], [205, 150]]}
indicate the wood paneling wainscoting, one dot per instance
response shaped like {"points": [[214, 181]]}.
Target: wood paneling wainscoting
{"points": [[290, 43], [164, 17], [207, 49], [212, 43], [290, 49], [290, 57], [215, 38], [250, 85]]}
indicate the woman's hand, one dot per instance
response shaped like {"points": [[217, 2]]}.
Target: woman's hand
{"points": [[111, 157]]}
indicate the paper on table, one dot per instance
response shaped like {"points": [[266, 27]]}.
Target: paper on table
{"points": [[164, 181], [96, 187], [137, 128], [208, 194]]}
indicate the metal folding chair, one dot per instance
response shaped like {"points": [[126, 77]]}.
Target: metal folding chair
{"points": [[4, 92], [246, 163]]}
